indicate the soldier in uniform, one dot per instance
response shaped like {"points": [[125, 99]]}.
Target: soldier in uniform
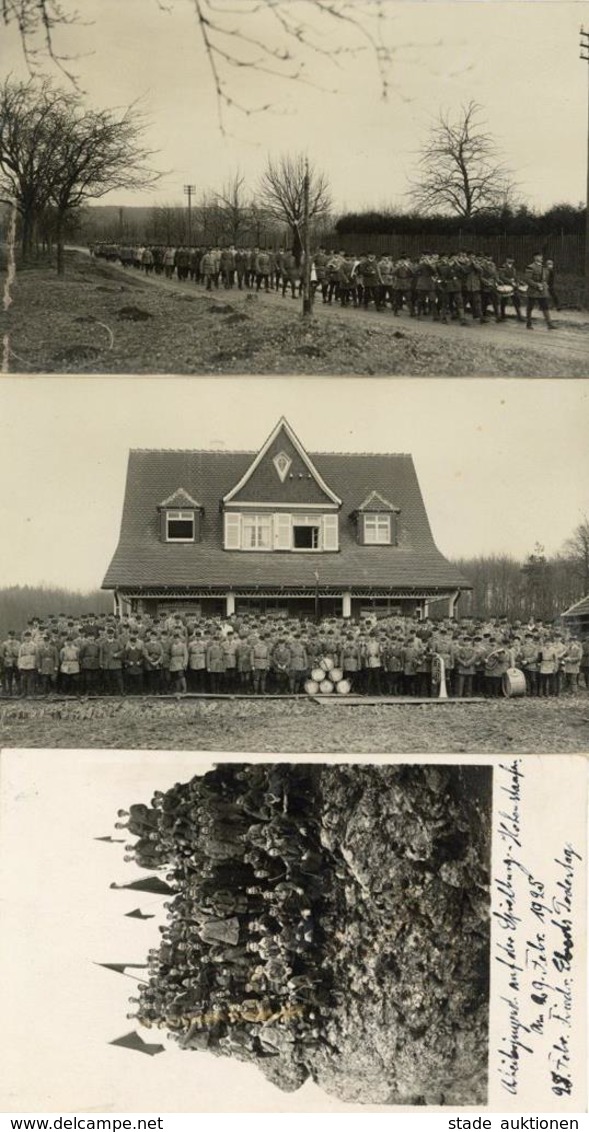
{"points": [[216, 664], [507, 274], [133, 664], [281, 661], [89, 654], [10, 671], [47, 664], [425, 275], [69, 665], [572, 664], [529, 658], [450, 289], [262, 268], [260, 663], [371, 282], [291, 274], [27, 664], [473, 270], [111, 663], [386, 270], [537, 280], [299, 664], [403, 276]]}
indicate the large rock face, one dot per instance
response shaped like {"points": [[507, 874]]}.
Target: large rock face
{"points": [[362, 898], [413, 941]]}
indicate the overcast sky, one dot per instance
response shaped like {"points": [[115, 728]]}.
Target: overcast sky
{"points": [[519, 60], [502, 463]]}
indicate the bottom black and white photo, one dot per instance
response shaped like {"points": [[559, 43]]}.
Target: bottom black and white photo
{"points": [[197, 933]]}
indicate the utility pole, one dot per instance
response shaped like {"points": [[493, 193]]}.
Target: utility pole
{"points": [[584, 55], [188, 191], [307, 297]]}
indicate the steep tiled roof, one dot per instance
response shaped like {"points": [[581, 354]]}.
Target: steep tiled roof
{"points": [[141, 559], [375, 502], [579, 609], [180, 498]]}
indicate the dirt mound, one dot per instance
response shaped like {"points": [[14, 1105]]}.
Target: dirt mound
{"points": [[233, 319], [77, 354], [134, 314]]}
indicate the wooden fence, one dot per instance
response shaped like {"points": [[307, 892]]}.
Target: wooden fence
{"points": [[566, 249]]}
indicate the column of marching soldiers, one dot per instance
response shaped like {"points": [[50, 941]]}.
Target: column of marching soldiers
{"points": [[443, 287], [175, 653]]}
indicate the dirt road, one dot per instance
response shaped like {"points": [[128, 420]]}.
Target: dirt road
{"points": [[105, 318]]}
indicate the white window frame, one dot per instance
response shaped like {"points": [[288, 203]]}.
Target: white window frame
{"points": [[314, 521], [180, 517], [256, 522], [377, 529], [280, 534]]}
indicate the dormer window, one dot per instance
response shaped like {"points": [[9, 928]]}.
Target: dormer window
{"points": [[179, 526], [180, 518], [376, 521], [377, 530]]}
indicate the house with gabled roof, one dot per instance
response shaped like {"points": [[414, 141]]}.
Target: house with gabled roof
{"points": [[280, 530], [576, 617]]}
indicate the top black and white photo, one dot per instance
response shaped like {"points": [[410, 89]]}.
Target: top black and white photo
{"points": [[279, 186]]}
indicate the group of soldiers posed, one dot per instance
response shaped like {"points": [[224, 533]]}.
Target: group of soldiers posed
{"points": [[176, 653], [442, 286], [240, 967]]}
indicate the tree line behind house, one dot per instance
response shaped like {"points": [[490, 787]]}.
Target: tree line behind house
{"points": [[541, 586]]}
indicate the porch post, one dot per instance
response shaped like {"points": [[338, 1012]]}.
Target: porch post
{"points": [[347, 604], [453, 598], [229, 603]]}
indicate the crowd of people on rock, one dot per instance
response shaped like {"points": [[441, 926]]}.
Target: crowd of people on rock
{"points": [[443, 286], [241, 966], [254, 654]]}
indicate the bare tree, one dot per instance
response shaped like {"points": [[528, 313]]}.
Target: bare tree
{"points": [[282, 194], [277, 38], [37, 21], [55, 154], [460, 170], [98, 152], [28, 135], [576, 549], [235, 208]]}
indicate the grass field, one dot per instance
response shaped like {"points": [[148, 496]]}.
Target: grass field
{"points": [[103, 319], [299, 726]]}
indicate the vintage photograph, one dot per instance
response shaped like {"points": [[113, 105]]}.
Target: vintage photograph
{"points": [[266, 934], [296, 565], [323, 187]]}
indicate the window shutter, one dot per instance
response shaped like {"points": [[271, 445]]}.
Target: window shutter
{"points": [[282, 531], [163, 525], [361, 520], [331, 532], [232, 530]]}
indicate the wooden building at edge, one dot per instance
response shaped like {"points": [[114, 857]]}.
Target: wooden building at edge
{"points": [[279, 530]]}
